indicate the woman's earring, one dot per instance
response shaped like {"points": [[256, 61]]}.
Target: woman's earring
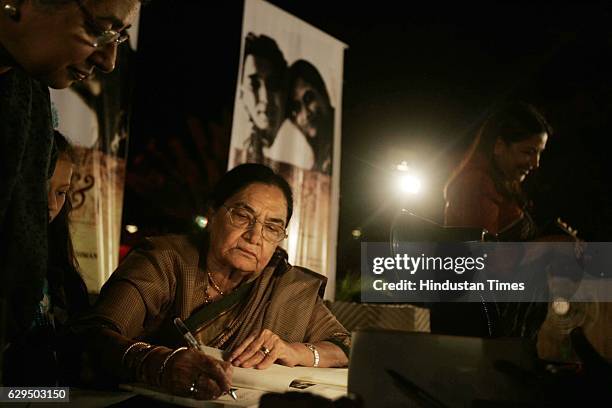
{"points": [[11, 11]]}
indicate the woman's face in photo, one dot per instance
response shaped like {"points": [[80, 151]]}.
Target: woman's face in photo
{"points": [[308, 108]]}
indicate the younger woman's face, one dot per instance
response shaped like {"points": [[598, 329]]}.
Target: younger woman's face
{"points": [[517, 159], [59, 184], [308, 108]]}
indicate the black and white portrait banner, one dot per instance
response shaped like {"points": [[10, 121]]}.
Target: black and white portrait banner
{"points": [[287, 115]]}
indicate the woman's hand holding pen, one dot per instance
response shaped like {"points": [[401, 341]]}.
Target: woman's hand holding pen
{"points": [[194, 374], [216, 374]]}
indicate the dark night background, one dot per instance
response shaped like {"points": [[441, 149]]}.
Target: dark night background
{"points": [[418, 81]]}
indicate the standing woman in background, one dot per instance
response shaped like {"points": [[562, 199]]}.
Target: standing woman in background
{"points": [[485, 189], [43, 43], [485, 192]]}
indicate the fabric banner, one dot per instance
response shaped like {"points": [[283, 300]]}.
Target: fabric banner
{"points": [[93, 115], [287, 115]]}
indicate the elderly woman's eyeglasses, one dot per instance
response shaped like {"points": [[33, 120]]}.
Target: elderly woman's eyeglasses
{"points": [[242, 218], [102, 37]]}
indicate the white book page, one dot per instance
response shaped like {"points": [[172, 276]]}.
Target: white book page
{"points": [[278, 378]]}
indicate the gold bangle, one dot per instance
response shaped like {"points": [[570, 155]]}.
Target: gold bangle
{"points": [[166, 360], [127, 350], [315, 354]]}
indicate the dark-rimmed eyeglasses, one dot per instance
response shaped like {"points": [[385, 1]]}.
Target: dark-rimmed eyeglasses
{"points": [[242, 218], [102, 37]]}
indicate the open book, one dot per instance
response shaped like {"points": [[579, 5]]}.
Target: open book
{"points": [[251, 384]]}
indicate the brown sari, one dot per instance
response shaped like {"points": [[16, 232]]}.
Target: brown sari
{"points": [[166, 278]]}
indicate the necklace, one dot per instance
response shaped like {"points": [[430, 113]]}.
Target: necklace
{"points": [[214, 284], [207, 298]]}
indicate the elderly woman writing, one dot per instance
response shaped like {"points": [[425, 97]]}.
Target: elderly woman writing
{"points": [[233, 287]]}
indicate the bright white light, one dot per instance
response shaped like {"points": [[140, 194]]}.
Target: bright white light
{"points": [[356, 233], [132, 229], [409, 183], [201, 221]]}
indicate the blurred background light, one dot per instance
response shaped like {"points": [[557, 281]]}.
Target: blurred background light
{"points": [[408, 180], [201, 221], [409, 184]]}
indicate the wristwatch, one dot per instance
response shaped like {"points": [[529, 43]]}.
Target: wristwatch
{"points": [[315, 354]]}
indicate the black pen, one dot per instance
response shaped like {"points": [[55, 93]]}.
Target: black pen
{"points": [[195, 344]]}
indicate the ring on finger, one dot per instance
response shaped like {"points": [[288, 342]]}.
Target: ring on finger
{"points": [[193, 388], [265, 351]]}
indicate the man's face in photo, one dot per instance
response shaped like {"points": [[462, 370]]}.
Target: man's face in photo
{"points": [[262, 93]]}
